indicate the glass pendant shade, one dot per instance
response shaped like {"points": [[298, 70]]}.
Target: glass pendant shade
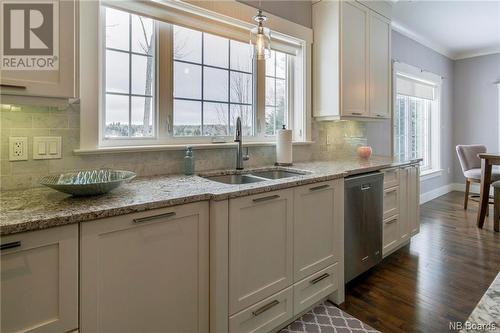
{"points": [[260, 39]]}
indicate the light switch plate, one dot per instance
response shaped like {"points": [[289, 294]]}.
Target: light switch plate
{"points": [[18, 148], [47, 147]]}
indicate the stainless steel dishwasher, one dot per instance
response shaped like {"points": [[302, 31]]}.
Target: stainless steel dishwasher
{"points": [[363, 210]]}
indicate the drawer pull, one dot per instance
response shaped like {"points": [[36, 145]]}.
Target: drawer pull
{"points": [[391, 221], [10, 245], [271, 197], [356, 113], [154, 217], [365, 187], [12, 86], [319, 278], [321, 187], [380, 115], [265, 308], [394, 189], [365, 258]]}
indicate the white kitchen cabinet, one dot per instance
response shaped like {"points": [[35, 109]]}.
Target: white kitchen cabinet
{"points": [[352, 62], [414, 200], [404, 204], [146, 272], [260, 247], [380, 66], [39, 281], [390, 237], [354, 59], [404, 222], [314, 288], [265, 315], [316, 228], [50, 83]]}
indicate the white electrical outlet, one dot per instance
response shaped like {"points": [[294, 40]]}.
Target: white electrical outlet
{"points": [[18, 148]]}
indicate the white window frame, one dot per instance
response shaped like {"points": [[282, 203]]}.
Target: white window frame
{"points": [[92, 43], [415, 73]]}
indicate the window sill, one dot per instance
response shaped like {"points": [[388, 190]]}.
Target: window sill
{"points": [[429, 174], [134, 149]]}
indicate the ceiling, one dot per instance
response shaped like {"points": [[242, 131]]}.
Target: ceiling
{"points": [[456, 29]]}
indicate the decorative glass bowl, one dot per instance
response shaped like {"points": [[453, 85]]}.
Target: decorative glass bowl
{"points": [[88, 182]]}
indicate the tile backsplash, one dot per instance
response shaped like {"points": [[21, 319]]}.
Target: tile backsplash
{"points": [[343, 137]]}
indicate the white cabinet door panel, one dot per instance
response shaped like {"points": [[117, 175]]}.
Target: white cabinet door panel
{"points": [[260, 247], [146, 272], [316, 227], [39, 281]]}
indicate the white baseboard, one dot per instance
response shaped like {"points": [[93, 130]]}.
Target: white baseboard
{"points": [[430, 195]]}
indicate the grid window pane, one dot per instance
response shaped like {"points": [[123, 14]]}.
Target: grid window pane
{"points": [[187, 80], [130, 78], [280, 65], [270, 122], [215, 119], [241, 88], [215, 51], [215, 84], [241, 56], [117, 116], [276, 112], [142, 35], [117, 71], [117, 29], [142, 75], [187, 118], [187, 44], [246, 114], [222, 90], [413, 129], [141, 116], [270, 91]]}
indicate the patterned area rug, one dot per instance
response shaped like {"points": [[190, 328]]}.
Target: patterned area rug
{"points": [[327, 318]]}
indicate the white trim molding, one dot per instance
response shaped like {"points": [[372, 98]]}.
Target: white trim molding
{"points": [[433, 194]]}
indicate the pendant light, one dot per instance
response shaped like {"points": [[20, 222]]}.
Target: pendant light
{"points": [[260, 38]]}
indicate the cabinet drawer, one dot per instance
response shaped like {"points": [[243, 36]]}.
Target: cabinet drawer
{"points": [[315, 287], [265, 315], [391, 177], [390, 234], [391, 202]]}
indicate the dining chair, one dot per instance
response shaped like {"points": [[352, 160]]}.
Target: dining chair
{"points": [[471, 166]]}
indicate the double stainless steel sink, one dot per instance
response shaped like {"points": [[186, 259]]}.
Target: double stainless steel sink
{"points": [[254, 176]]}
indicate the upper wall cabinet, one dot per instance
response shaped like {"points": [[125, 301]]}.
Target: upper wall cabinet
{"points": [[44, 81], [351, 65]]}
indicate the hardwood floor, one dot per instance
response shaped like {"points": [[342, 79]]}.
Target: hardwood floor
{"points": [[439, 277]]}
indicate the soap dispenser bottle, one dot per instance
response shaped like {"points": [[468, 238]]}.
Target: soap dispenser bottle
{"points": [[189, 162]]}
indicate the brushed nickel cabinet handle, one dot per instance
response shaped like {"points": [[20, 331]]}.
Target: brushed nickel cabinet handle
{"points": [[154, 217], [319, 278], [394, 189], [365, 258], [12, 86], [265, 308], [356, 113], [365, 187], [271, 197], [321, 187], [391, 221], [10, 245], [380, 115]]}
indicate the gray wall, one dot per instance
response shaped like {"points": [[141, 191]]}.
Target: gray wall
{"points": [[475, 114], [410, 52], [298, 11]]}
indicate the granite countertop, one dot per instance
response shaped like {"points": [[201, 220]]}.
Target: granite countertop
{"points": [[39, 208]]}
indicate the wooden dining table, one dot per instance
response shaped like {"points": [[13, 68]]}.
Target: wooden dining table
{"points": [[488, 160]]}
